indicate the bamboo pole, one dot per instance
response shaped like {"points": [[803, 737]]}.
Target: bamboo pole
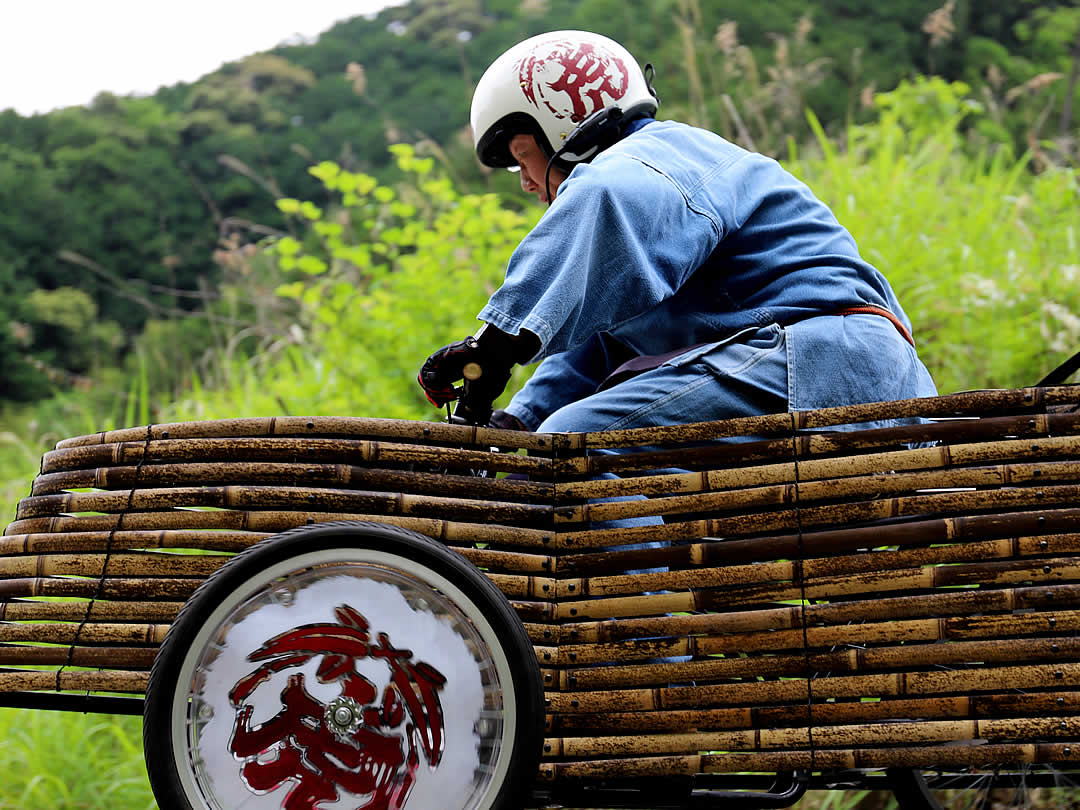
{"points": [[875, 486], [24, 655], [721, 599], [966, 404], [102, 681], [892, 632], [273, 521], [977, 757], [20, 610], [86, 542], [1052, 526], [731, 575], [885, 685], [958, 603], [150, 564], [164, 564], [344, 476], [816, 517], [494, 560], [941, 629], [520, 587], [829, 569], [875, 734], [975, 707], [969, 403], [810, 445], [337, 451], [281, 497], [102, 633], [315, 426], [119, 588], [942, 457], [620, 674]]}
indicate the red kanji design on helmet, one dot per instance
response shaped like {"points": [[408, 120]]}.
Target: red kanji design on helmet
{"points": [[571, 78], [353, 742]]}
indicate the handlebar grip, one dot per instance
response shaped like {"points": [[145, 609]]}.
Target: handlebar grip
{"points": [[472, 371]]}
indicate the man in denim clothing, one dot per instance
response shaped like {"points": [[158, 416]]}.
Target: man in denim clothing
{"points": [[661, 241]]}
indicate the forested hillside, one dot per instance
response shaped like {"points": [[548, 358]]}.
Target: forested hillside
{"points": [[118, 220]]}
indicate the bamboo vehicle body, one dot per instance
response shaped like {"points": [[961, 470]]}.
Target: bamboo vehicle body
{"points": [[823, 599]]}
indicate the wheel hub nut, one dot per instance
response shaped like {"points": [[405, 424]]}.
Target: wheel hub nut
{"points": [[343, 716]]}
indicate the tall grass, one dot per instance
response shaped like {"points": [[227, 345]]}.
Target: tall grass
{"points": [[984, 256], [26, 432], [69, 761]]}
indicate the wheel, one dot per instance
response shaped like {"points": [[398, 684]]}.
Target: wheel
{"points": [[346, 662], [1043, 786]]}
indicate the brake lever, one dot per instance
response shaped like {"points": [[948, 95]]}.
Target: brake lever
{"points": [[464, 414]]}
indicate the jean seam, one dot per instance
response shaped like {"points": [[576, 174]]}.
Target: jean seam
{"points": [[792, 391], [693, 385], [752, 361]]}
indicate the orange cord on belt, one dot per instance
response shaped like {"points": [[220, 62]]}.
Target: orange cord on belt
{"points": [[871, 310]]}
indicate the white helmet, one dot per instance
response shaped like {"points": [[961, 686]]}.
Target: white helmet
{"points": [[547, 86]]}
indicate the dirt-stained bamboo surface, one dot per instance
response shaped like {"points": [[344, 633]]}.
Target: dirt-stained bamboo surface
{"points": [[881, 585]]}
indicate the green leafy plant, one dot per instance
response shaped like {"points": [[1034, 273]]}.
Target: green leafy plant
{"points": [[381, 277]]}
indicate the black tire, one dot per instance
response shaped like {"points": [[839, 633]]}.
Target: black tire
{"points": [[423, 591], [1028, 787]]}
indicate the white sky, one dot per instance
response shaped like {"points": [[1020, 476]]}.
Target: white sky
{"points": [[57, 53]]}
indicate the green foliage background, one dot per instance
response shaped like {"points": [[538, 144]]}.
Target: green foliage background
{"points": [[289, 235], [127, 203]]}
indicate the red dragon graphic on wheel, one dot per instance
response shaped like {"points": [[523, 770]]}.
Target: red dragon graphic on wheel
{"points": [[353, 742], [571, 79]]}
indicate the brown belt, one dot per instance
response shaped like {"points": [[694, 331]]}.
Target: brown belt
{"points": [[884, 313]]}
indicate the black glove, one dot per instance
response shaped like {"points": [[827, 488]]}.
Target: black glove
{"points": [[440, 371], [484, 362], [506, 421]]}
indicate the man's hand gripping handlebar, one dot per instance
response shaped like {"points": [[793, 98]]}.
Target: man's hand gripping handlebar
{"points": [[483, 363]]}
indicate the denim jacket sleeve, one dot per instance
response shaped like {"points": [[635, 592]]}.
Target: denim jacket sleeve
{"points": [[564, 378], [602, 254], [558, 380]]}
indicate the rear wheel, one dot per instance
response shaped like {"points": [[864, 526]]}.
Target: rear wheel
{"points": [[348, 662], [1043, 786]]}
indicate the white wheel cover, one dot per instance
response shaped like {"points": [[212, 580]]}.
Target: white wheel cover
{"points": [[374, 753]]}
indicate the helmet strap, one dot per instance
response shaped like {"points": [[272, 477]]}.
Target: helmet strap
{"points": [[593, 135], [650, 74], [547, 177]]}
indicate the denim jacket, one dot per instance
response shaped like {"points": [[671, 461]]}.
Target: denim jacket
{"points": [[672, 237]]}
